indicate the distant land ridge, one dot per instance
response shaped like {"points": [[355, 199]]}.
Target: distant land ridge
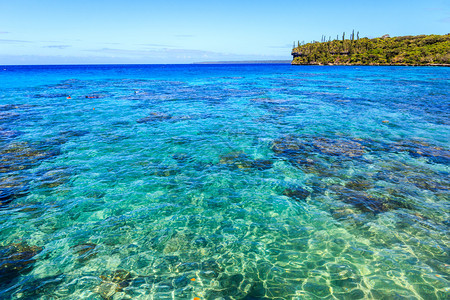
{"points": [[244, 62], [420, 50]]}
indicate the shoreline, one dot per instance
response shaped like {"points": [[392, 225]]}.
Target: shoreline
{"points": [[373, 65]]}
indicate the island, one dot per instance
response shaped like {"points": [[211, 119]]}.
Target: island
{"points": [[420, 50]]}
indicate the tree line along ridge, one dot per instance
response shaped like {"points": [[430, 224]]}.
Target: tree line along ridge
{"points": [[402, 50]]}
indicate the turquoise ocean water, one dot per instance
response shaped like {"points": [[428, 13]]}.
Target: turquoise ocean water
{"points": [[224, 182]]}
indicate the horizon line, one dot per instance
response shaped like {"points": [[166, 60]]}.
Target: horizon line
{"points": [[158, 64]]}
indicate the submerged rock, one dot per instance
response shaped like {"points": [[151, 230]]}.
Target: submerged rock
{"points": [[16, 259], [95, 96], [240, 160], [343, 213], [283, 110], [11, 188], [64, 136], [6, 134], [7, 107], [262, 164], [315, 166], [366, 202], [339, 147], [51, 96], [188, 266], [183, 157], [236, 160], [298, 193], [211, 266], [422, 178], [425, 183], [118, 276], [112, 283], [155, 117], [317, 155], [96, 194], [17, 157], [289, 145], [269, 100], [85, 251], [8, 116], [181, 140], [73, 133], [359, 184], [177, 241], [417, 148], [53, 178], [23, 155], [165, 171]]}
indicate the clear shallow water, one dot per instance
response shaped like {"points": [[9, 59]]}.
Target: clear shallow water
{"points": [[259, 182]]}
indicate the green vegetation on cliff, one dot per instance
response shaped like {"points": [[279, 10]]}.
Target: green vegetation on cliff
{"points": [[402, 50]]}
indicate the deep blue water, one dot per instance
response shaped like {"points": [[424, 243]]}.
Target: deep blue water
{"points": [[224, 182]]}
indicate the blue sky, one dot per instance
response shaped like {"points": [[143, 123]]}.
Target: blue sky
{"points": [[175, 31]]}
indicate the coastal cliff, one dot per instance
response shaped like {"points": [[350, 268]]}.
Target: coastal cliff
{"points": [[421, 50]]}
